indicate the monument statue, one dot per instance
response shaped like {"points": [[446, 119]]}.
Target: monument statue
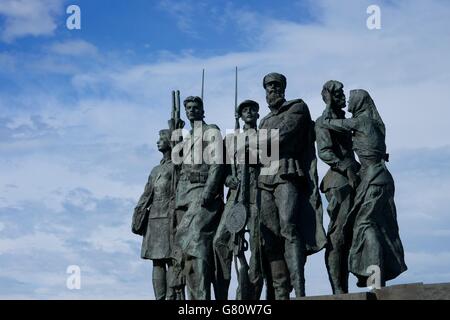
{"points": [[153, 219], [338, 184], [372, 221], [193, 239], [290, 203], [199, 204], [240, 211]]}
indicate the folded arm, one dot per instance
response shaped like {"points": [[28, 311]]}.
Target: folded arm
{"points": [[341, 125], [326, 151]]}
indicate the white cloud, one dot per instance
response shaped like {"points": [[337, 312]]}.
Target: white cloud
{"points": [[53, 183], [32, 243], [392, 63], [89, 144], [74, 48], [112, 239], [7, 62], [183, 12], [428, 260], [29, 18]]}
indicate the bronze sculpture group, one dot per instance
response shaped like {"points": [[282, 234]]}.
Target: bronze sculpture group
{"points": [[193, 235]]}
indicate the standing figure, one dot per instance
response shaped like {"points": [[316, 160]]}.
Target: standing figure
{"points": [[199, 202], [339, 184], [373, 218], [153, 219], [291, 207], [250, 284]]}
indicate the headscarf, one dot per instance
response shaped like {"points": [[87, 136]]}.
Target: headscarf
{"points": [[363, 102], [165, 134]]}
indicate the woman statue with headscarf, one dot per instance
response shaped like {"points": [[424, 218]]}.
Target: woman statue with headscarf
{"points": [[372, 222]]}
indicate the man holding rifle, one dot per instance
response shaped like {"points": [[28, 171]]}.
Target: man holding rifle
{"points": [[229, 240], [199, 202]]}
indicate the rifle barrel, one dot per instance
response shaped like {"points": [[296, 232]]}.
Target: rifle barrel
{"points": [[173, 104], [236, 115], [203, 82], [177, 109], [235, 88]]}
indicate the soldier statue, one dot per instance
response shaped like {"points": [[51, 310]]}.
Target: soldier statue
{"points": [[372, 221], [290, 204], [199, 203], [153, 219], [240, 171], [338, 184]]}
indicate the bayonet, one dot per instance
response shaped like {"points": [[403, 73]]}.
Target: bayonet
{"points": [[203, 82]]}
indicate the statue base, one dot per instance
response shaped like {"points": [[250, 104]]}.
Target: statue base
{"points": [[413, 291]]}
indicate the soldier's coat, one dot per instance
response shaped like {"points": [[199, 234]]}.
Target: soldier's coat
{"points": [[294, 122], [198, 224], [223, 240]]}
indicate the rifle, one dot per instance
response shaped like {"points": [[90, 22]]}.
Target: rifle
{"points": [[236, 114], [175, 121], [236, 221], [236, 124], [240, 243], [237, 218]]}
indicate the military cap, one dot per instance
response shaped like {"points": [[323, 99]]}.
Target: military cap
{"points": [[278, 77], [246, 103]]}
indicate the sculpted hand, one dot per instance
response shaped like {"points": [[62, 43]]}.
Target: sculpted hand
{"points": [[327, 114], [353, 178], [207, 198], [180, 124], [326, 96], [232, 182]]}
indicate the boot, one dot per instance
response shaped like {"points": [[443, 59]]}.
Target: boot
{"points": [[159, 280], [280, 279], [295, 256], [337, 269]]}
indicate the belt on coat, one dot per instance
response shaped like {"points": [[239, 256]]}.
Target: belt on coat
{"points": [[194, 176]]}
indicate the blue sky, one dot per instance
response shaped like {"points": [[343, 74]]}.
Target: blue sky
{"points": [[81, 110]]}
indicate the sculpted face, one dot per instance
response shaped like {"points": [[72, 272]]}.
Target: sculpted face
{"points": [[249, 115], [163, 143], [351, 103], [274, 93], [337, 98], [194, 112]]}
